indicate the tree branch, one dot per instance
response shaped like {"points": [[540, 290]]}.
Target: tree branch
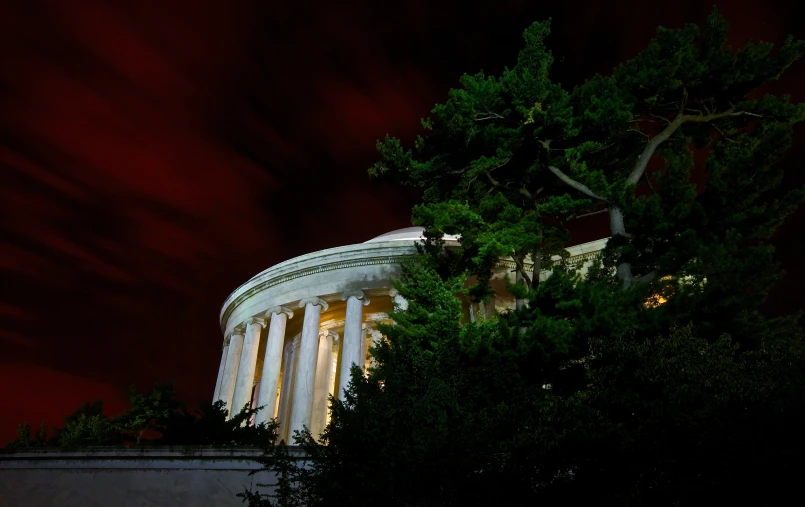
{"points": [[492, 180], [489, 116], [651, 147], [575, 184], [536, 258], [724, 136], [639, 132], [593, 213], [648, 180], [663, 118], [521, 269]]}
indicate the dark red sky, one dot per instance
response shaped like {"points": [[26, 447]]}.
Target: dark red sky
{"points": [[153, 158]]}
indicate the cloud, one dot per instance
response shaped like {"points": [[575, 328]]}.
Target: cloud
{"points": [[153, 156]]}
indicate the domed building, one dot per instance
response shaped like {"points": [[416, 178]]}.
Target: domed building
{"points": [[293, 331]]}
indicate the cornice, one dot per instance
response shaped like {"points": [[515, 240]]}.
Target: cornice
{"points": [[240, 296], [363, 254]]}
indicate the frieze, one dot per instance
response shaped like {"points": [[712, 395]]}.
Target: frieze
{"points": [[374, 261]]}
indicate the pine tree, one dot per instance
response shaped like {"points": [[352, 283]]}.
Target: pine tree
{"points": [[654, 380]]}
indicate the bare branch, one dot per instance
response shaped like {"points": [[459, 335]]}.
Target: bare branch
{"points": [[593, 213], [648, 180], [663, 118], [575, 184], [639, 132], [603, 148], [723, 134], [489, 116], [521, 269], [470, 183], [546, 144], [461, 171], [651, 147], [488, 173], [492, 180]]}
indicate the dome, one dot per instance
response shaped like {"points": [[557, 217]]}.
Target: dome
{"points": [[406, 234]]}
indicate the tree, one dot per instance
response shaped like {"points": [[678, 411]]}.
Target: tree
{"points": [[87, 426], [654, 380], [210, 425], [493, 145], [149, 410], [89, 430]]}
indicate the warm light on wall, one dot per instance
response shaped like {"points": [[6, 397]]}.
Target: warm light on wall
{"points": [[658, 299], [655, 301]]}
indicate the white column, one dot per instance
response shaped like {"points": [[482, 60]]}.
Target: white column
{"points": [[351, 348], [321, 388], [306, 365], [248, 364], [291, 354], [331, 387], [231, 369], [272, 362], [221, 368]]}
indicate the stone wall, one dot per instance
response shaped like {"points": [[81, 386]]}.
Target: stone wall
{"points": [[123, 477]]}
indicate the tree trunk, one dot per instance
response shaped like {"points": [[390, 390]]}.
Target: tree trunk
{"points": [[617, 228], [537, 259]]}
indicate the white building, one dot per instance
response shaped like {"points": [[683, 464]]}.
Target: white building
{"points": [[293, 331]]}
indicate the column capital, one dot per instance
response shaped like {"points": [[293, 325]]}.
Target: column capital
{"points": [[236, 331], [326, 333], [278, 310], [314, 301], [226, 342], [357, 294], [258, 321]]}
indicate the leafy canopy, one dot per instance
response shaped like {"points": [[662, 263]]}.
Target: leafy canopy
{"points": [[589, 391]]}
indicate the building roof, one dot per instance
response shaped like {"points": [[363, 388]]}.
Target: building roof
{"points": [[406, 234]]}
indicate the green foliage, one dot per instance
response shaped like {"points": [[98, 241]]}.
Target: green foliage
{"points": [[23, 439], [88, 430], [210, 425], [521, 142], [159, 413], [149, 410], [682, 420], [589, 392], [86, 426]]}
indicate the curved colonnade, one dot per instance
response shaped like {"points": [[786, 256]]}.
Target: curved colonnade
{"points": [[293, 331]]}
